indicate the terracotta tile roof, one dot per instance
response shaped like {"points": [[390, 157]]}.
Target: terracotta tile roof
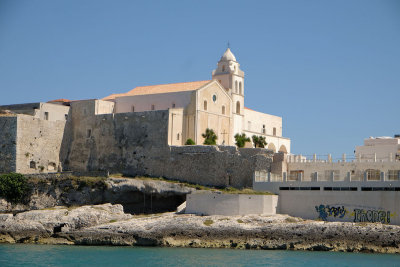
{"points": [[60, 100], [161, 89]]}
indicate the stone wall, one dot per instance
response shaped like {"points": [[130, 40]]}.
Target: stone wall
{"points": [[129, 143], [117, 142], [211, 165], [38, 144], [8, 141], [136, 144]]}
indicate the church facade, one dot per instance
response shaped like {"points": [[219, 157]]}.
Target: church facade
{"points": [[217, 104]]}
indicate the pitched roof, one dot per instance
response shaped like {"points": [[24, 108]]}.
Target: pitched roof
{"points": [[161, 89], [59, 100]]}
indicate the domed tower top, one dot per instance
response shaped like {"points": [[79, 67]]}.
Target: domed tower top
{"points": [[228, 56], [229, 74]]}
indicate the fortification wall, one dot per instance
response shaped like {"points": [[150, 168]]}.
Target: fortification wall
{"points": [[8, 141], [137, 144], [117, 142], [211, 165], [38, 144]]}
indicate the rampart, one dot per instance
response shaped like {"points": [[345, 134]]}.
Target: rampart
{"points": [[129, 143], [136, 144]]}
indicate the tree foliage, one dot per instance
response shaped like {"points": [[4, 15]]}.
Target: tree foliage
{"points": [[13, 187], [241, 139], [189, 142], [259, 141], [210, 138]]}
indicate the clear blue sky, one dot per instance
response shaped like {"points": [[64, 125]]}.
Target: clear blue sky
{"points": [[331, 69]]}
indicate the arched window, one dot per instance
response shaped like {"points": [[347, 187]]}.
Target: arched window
{"points": [[173, 105], [223, 110], [205, 104], [263, 129], [240, 88], [223, 67], [238, 107], [274, 131], [177, 136], [236, 87], [133, 108]]}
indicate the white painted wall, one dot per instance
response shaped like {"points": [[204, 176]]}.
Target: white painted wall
{"points": [[381, 148], [356, 169], [205, 203], [348, 206], [55, 112], [253, 122]]}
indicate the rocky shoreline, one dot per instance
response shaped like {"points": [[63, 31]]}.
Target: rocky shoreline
{"points": [[107, 224]]}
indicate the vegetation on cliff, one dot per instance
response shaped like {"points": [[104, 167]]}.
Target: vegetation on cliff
{"points": [[14, 187]]}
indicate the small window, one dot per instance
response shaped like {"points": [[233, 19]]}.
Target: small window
{"points": [[89, 133], [274, 131], [220, 81], [205, 104], [84, 111], [32, 165], [238, 107], [214, 98], [223, 110], [240, 88], [173, 105], [133, 108], [66, 117], [153, 107], [177, 136], [263, 129], [223, 67], [46, 116]]}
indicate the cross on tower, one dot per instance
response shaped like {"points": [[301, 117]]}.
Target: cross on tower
{"points": [[228, 45]]}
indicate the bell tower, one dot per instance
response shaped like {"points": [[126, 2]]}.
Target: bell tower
{"points": [[231, 77]]}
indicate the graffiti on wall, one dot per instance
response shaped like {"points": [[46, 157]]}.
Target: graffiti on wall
{"points": [[327, 211], [358, 215], [381, 216]]}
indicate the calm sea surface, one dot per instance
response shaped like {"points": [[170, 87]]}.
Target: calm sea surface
{"points": [[44, 255]]}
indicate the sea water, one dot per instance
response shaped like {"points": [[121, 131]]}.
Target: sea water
{"points": [[47, 255]]}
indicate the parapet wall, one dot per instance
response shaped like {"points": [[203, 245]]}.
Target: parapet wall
{"points": [[210, 165]]}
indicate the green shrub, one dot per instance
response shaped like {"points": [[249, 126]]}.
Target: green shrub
{"points": [[241, 139], [189, 142], [14, 187], [259, 141], [210, 137]]}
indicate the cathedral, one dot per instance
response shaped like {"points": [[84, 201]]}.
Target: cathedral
{"points": [[217, 104]]}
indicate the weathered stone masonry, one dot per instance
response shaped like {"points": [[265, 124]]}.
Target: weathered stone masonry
{"points": [[8, 143], [136, 144], [129, 143]]}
